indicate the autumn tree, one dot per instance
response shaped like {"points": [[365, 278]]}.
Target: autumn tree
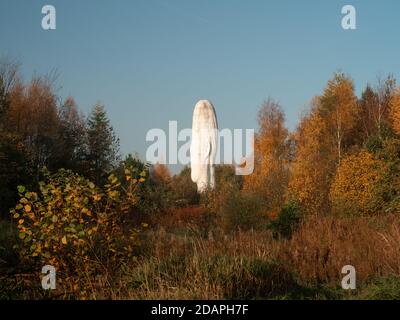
{"points": [[340, 111], [395, 110], [367, 121], [271, 171], [33, 114], [385, 90], [8, 77], [321, 140], [355, 188], [13, 157], [313, 163], [375, 119], [160, 174], [183, 189], [103, 144]]}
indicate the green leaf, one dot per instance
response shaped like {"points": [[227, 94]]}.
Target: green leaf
{"points": [[21, 189], [21, 235]]}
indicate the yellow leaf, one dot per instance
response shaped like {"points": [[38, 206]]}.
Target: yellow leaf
{"points": [[28, 208], [64, 240], [20, 221]]}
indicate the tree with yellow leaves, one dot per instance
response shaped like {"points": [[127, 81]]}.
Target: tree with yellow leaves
{"points": [[271, 171], [321, 140], [340, 111], [313, 162], [355, 187]]}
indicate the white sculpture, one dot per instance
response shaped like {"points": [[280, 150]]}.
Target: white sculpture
{"points": [[204, 145]]}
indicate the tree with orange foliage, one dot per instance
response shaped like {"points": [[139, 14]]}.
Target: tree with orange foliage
{"points": [[271, 156], [160, 174], [312, 166], [321, 139], [340, 111], [355, 186], [33, 114]]}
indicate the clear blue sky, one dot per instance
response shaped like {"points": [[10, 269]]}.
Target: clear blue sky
{"points": [[149, 61]]}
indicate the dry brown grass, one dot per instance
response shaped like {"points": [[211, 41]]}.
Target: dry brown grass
{"points": [[252, 264], [182, 217], [323, 245], [179, 261]]}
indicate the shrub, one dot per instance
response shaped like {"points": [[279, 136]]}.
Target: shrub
{"points": [[241, 210], [287, 221], [183, 189], [77, 227]]}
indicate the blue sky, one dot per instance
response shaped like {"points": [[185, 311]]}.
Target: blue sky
{"points": [[150, 61]]}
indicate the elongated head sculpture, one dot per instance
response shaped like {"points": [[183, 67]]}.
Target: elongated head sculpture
{"points": [[204, 145]]}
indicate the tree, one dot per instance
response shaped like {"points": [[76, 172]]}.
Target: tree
{"points": [[8, 77], [376, 111], [271, 170], [13, 154], [183, 189], [73, 134], [321, 140], [395, 110], [367, 120], [313, 163], [384, 91], [33, 115], [340, 110], [356, 184], [160, 174], [103, 145]]}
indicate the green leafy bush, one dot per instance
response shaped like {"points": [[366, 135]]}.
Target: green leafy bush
{"points": [[76, 226]]}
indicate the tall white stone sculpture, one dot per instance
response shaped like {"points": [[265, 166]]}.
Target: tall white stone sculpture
{"points": [[204, 145]]}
